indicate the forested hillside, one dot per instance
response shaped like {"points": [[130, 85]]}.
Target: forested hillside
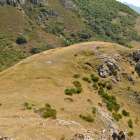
{"points": [[28, 27]]}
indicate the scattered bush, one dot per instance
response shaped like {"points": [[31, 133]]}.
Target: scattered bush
{"points": [[95, 78], [130, 134], [102, 84], [26, 104], [29, 108], [76, 75], [95, 86], [87, 79], [70, 91], [130, 123], [47, 105], [133, 72], [125, 113], [109, 86], [79, 90], [100, 104], [113, 72], [22, 39], [0, 104], [40, 48], [87, 118], [94, 110], [77, 84], [117, 117], [62, 109]]}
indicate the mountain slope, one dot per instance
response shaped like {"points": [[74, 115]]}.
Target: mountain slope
{"points": [[43, 78], [137, 9], [62, 23]]}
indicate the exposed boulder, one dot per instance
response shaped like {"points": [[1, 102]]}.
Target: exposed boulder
{"points": [[138, 66], [2, 2], [136, 55], [12, 2], [103, 71], [70, 5], [132, 79]]}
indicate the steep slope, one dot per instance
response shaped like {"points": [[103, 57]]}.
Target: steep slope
{"points": [[137, 9], [43, 78]]}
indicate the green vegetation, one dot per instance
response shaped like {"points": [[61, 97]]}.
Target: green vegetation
{"points": [[0, 104], [94, 110], [22, 39], [87, 79], [94, 78], [70, 91], [125, 113], [117, 117], [77, 84], [113, 72], [79, 90], [76, 75], [29, 108], [26, 104], [100, 104], [109, 87], [103, 84], [130, 123], [95, 86], [40, 48], [87, 118], [130, 134]]}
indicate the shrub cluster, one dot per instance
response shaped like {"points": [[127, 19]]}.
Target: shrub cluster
{"points": [[113, 72], [94, 78], [70, 91], [109, 86], [125, 113], [130, 134], [94, 110], [95, 86], [103, 84], [87, 118], [22, 39], [77, 84], [117, 117], [70, 99], [76, 75], [87, 79]]}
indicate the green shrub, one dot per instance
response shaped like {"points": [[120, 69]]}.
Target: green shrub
{"points": [[0, 104], [94, 110], [40, 48], [100, 104], [26, 104], [117, 117], [130, 134], [62, 109], [87, 118], [22, 39], [109, 86], [87, 79], [70, 91], [133, 72], [29, 108], [95, 78], [92, 75], [50, 113], [47, 105], [113, 72], [116, 107], [79, 90], [77, 84], [76, 75], [85, 34], [95, 86], [109, 106], [125, 113], [130, 123], [70, 99], [104, 84]]}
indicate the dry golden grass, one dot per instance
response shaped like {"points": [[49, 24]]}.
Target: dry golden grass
{"points": [[37, 81]]}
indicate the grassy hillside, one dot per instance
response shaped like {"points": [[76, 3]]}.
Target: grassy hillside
{"points": [[43, 78]]}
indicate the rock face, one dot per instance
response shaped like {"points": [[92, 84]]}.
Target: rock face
{"points": [[69, 5], [2, 2], [103, 71], [138, 66], [136, 55]]}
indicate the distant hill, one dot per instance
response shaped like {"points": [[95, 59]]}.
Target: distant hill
{"points": [[137, 9]]}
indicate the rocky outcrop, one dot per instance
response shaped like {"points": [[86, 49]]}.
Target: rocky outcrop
{"points": [[6, 138], [132, 79], [69, 5], [2, 2], [103, 71], [136, 55]]}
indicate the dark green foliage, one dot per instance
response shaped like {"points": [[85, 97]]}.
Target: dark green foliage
{"points": [[0, 104], [40, 48], [87, 118], [92, 75], [125, 113], [117, 117], [79, 90], [22, 39], [29, 108], [77, 84], [70, 99], [49, 112], [103, 84], [70, 91], [109, 86], [130, 134], [94, 110], [87, 79], [76, 75], [133, 72], [130, 123], [95, 78], [95, 86], [85, 34]]}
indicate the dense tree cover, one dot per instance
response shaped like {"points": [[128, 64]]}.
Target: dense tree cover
{"points": [[100, 14]]}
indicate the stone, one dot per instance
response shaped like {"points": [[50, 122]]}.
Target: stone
{"points": [[132, 79], [103, 71], [136, 55]]}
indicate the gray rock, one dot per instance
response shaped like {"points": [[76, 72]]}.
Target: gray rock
{"points": [[132, 79], [103, 71], [138, 66], [136, 55], [2, 2]]}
